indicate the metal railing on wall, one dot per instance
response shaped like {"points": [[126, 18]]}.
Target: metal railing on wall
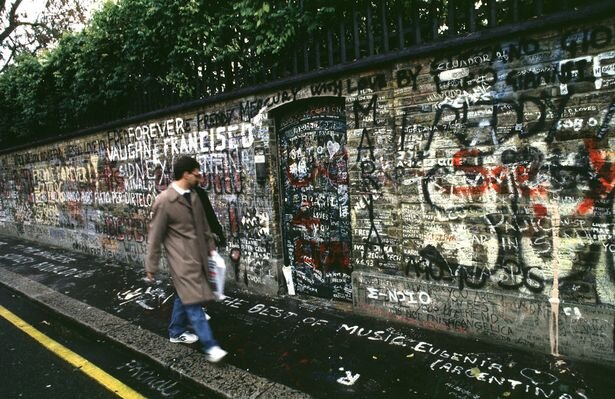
{"points": [[362, 29], [358, 33]]}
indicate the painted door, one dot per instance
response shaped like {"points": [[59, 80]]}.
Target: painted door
{"points": [[315, 200]]}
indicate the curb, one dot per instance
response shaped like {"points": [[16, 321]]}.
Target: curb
{"points": [[222, 379]]}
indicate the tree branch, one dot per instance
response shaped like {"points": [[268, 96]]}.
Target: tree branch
{"points": [[13, 22], [6, 63]]}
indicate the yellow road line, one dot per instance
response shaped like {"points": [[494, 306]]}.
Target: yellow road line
{"points": [[71, 357]]}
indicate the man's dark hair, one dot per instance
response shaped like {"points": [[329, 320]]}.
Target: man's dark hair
{"points": [[184, 164]]}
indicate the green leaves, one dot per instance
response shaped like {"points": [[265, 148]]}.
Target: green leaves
{"points": [[137, 55]]}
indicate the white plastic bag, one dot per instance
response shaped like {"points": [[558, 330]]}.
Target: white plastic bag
{"points": [[217, 274]]}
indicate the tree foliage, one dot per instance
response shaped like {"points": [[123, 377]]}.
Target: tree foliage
{"points": [[133, 52]]}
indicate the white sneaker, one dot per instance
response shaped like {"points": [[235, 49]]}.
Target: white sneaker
{"points": [[185, 338], [215, 354]]}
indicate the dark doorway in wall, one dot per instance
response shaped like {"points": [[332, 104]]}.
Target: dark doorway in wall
{"points": [[315, 203]]}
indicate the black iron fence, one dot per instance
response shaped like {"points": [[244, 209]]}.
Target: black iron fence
{"points": [[361, 29]]}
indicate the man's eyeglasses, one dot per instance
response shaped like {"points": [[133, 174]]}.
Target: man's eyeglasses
{"points": [[197, 174]]}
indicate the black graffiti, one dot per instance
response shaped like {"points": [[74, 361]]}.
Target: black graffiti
{"points": [[333, 87], [528, 162], [365, 138], [436, 267], [249, 109], [223, 173], [360, 111], [585, 40], [368, 168], [123, 228], [465, 130], [407, 77], [558, 112], [372, 231], [572, 71], [367, 165], [432, 265], [253, 223], [605, 127], [516, 178], [374, 82], [483, 76], [214, 119], [487, 55], [509, 259]]}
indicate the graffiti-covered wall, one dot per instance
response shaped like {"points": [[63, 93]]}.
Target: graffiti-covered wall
{"points": [[469, 191], [94, 194]]}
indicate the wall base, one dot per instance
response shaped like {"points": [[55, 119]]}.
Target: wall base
{"points": [[585, 332]]}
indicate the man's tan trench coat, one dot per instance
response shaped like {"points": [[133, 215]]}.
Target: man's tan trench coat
{"points": [[187, 244]]}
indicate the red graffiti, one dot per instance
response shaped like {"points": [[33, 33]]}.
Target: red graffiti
{"points": [[502, 178], [110, 178], [605, 176], [540, 211], [233, 219], [123, 228], [459, 164], [162, 179], [307, 222], [327, 256], [333, 170]]}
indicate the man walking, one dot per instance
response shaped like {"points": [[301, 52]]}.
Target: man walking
{"points": [[179, 223]]}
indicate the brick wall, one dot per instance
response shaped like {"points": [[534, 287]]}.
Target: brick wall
{"points": [[480, 184]]}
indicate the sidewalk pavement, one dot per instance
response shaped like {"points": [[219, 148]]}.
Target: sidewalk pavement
{"points": [[286, 347]]}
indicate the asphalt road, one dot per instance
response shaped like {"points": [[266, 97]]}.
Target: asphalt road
{"points": [[29, 370]]}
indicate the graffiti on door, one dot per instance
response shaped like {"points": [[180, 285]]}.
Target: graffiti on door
{"points": [[315, 203]]}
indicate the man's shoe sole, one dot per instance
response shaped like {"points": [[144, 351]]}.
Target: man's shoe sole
{"points": [[179, 341], [214, 360]]}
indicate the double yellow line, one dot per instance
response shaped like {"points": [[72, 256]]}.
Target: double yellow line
{"points": [[94, 372]]}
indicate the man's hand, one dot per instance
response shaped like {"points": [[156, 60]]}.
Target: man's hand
{"points": [[149, 277]]}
